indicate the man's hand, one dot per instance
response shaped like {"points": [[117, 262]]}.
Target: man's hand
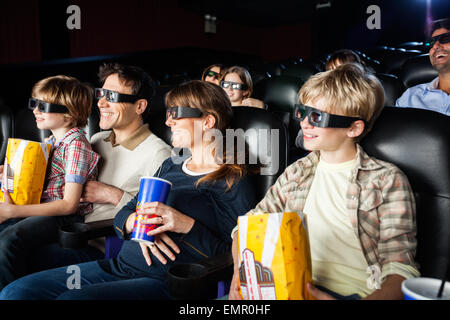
{"points": [[98, 192]]}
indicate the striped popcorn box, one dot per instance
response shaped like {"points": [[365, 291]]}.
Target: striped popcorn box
{"points": [[274, 255]]}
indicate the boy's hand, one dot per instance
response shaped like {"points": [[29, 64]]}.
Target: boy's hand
{"points": [[318, 294], [98, 192], [234, 287], [6, 207]]}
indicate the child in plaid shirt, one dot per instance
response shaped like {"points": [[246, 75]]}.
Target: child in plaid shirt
{"points": [[61, 104], [360, 210]]}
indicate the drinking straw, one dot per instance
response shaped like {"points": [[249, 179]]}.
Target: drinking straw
{"points": [[441, 288]]}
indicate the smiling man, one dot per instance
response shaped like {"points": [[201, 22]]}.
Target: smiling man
{"points": [[128, 151], [434, 95]]}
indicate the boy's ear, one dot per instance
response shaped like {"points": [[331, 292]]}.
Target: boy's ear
{"points": [[356, 129], [141, 106]]}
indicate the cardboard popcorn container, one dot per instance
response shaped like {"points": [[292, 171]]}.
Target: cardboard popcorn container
{"points": [[275, 257], [24, 170]]}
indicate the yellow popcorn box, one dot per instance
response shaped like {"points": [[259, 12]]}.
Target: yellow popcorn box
{"points": [[275, 257], [24, 170]]}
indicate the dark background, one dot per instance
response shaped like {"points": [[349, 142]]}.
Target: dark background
{"points": [[167, 36]]}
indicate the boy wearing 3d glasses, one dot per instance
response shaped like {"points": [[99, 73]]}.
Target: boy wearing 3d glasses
{"points": [[128, 150], [360, 210], [62, 105]]}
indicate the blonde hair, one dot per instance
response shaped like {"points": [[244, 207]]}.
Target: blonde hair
{"points": [[67, 91], [347, 90], [244, 75]]}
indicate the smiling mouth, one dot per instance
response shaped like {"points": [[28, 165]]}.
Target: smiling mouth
{"points": [[309, 136]]}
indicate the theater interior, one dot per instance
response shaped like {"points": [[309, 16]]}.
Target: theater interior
{"points": [[282, 43]]}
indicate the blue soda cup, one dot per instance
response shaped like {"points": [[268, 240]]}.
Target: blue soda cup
{"points": [[150, 189], [424, 289]]}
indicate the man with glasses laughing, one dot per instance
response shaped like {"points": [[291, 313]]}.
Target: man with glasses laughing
{"points": [[128, 150], [434, 95]]}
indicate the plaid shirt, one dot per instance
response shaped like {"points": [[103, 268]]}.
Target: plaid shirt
{"points": [[72, 160], [379, 199]]}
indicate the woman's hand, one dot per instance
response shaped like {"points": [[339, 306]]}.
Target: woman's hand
{"points": [[168, 218], [162, 241], [234, 293]]}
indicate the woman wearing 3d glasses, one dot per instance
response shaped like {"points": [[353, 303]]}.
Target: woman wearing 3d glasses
{"points": [[237, 83], [206, 198], [213, 73]]}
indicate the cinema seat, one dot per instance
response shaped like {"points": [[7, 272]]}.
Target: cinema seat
{"points": [[393, 88], [417, 70], [6, 129], [417, 141]]}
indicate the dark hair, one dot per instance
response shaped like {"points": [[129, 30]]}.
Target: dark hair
{"points": [[439, 24], [340, 57], [135, 77], [218, 65], [211, 100]]}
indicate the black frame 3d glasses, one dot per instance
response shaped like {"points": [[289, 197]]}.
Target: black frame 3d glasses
{"points": [[46, 107], [233, 85], [322, 119], [442, 38], [213, 74], [183, 112], [114, 96]]}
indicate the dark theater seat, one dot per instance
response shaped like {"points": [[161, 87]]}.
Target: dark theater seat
{"points": [[393, 88], [417, 141], [417, 70]]}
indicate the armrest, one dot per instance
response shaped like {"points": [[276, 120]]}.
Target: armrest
{"points": [[77, 235], [198, 280]]}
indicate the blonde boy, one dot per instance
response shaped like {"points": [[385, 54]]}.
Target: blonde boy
{"points": [[360, 210]]}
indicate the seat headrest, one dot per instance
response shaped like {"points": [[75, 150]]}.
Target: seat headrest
{"points": [[393, 88], [6, 130], [302, 70], [392, 63], [279, 93], [266, 140], [157, 124], [417, 70], [417, 141]]}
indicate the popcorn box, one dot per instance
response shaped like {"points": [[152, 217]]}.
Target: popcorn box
{"points": [[275, 257], [24, 170]]}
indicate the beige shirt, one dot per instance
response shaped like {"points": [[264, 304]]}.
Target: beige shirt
{"points": [[122, 165]]}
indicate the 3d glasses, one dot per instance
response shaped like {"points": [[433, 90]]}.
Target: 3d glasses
{"points": [[442, 38], [212, 74], [183, 112], [322, 119], [46, 107], [233, 85], [114, 96]]}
